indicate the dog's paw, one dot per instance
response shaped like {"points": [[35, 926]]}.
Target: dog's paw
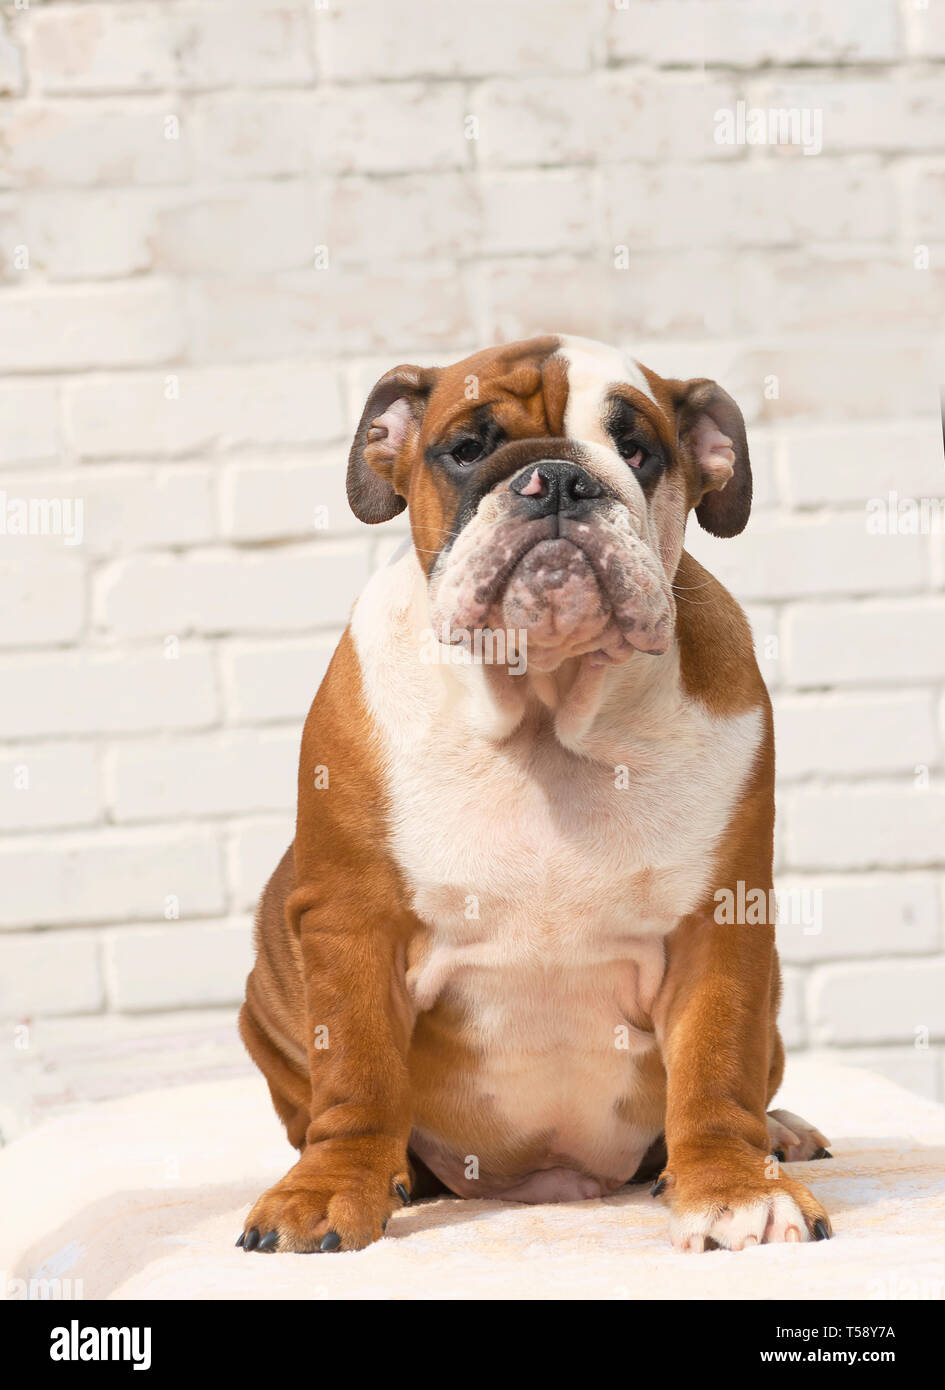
{"points": [[338, 1196], [735, 1200], [793, 1140]]}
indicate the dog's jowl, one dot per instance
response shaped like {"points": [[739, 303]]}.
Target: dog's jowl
{"points": [[492, 961]]}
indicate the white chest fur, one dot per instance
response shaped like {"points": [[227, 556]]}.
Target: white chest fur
{"points": [[546, 879]]}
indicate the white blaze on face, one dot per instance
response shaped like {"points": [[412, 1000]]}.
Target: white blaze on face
{"points": [[593, 370], [592, 367]]}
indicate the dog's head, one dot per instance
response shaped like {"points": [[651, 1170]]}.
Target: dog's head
{"points": [[548, 484]]}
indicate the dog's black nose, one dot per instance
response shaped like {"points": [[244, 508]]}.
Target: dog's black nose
{"points": [[556, 485]]}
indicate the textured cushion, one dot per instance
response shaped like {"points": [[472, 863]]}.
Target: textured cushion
{"points": [[144, 1197]]}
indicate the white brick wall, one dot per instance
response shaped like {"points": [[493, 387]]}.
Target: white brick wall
{"points": [[172, 354]]}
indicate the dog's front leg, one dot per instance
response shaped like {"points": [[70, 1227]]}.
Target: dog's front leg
{"points": [[353, 1170], [714, 1019]]}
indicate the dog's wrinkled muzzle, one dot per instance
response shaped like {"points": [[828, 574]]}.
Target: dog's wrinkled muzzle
{"points": [[553, 556]]}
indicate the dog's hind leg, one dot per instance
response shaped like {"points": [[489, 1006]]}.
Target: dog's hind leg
{"points": [[290, 1092], [792, 1139], [271, 1020]]}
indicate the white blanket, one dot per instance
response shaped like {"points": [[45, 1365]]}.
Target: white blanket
{"points": [[144, 1198]]}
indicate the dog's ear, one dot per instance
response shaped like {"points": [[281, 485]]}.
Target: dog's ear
{"points": [[389, 423], [711, 428]]}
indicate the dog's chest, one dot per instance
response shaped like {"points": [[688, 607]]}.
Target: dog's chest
{"points": [[524, 859], [505, 855]]}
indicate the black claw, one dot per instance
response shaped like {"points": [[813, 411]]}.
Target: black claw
{"points": [[778, 1154], [383, 1227], [820, 1231], [269, 1241], [822, 1153], [241, 1237], [331, 1241], [402, 1193], [658, 1187], [252, 1239]]}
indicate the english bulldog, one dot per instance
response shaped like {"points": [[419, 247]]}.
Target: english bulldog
{"points": [[492, 963]]}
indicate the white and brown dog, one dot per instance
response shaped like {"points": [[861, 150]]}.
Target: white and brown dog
{"points": [[491, 962]]}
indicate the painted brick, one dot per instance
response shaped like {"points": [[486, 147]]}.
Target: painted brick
{"points": [[269, 499], [50, 972], [129, 507], [842, 916], [743, 34], [865, 827], [879, 1001], [29, 423], [926, 29], [257, 43], [11, 65], [766, 632], [43, 584], [796, 558], [262, 227], [877, 643], [89, 326], [620, 118], [101, 235], [147, 47], [203, 775], [107, 692], [389, 128], [538, 212], [177, 966], [92, 143], [110, 876], [256, 847], [227, 592], [247, 135], [359, 41], [792, 1020], [828, 377], [97, 48], [749, 204], [188, 412], [854, 735], [848, 465], [322, 311], [49, 785], [268, 681], [867, 113]]}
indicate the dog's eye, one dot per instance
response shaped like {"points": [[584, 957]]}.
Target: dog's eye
{"points": [[467, 451], [633, 452]]}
